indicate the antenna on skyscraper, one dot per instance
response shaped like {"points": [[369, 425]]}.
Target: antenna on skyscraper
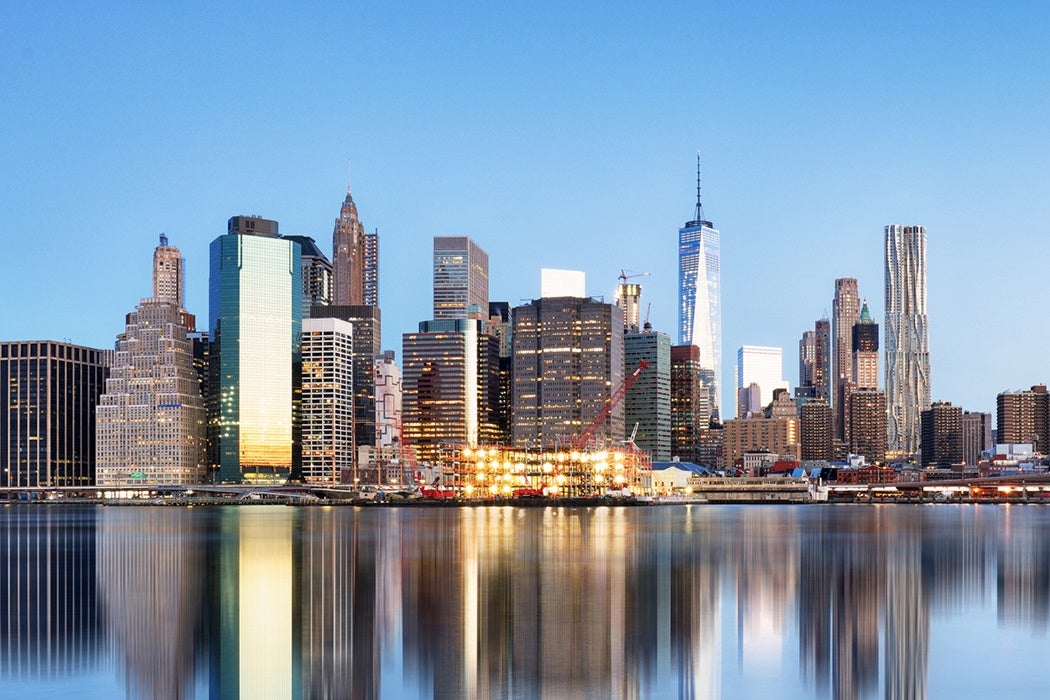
{"points": [[347, 174], [699, 216]]}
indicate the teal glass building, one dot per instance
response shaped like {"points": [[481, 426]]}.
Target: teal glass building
{"points": [[255, 305]]}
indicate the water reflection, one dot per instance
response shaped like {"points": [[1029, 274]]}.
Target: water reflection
{"points": [[689, 602]]}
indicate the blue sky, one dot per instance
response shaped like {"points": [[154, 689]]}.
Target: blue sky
{"points": [[556, 135]]}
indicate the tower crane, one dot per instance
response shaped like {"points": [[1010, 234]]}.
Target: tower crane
{"points": [[630, 274], [603, 415]]}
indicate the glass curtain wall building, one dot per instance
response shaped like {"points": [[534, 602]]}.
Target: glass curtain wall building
{"points": [[461, 278], [699, 296], [256, 318]]}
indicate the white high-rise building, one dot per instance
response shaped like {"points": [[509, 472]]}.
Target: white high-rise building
{"points": [[388, 401], [906, 346], [150, 423], [327, 399], [699, 295], [763, 366]]}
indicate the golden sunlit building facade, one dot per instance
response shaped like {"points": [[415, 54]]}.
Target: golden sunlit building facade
{"points": [[256, 316]]}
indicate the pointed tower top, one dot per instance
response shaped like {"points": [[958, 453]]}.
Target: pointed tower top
{"points": [[865, 317], [698, 213], [347, 177]]}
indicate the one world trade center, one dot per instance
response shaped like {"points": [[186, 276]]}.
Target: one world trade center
{"points": [[699, 299]]}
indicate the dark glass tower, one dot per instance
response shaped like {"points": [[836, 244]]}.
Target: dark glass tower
{"points": [[47, 412]]}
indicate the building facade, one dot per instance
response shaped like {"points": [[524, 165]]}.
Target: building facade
{"points": [[47, 412], [815, 427], [1024, 417], [648, 403], [327, 408], [367, 344], [762, 366], [866, 431], [568, 360], [351, 257], [255, 304], [699, 294], [942, 438], [461, 278], [845, 314], [760, 434], [316, 274], [907, 350], [976, 435], [865, 345], [150, 423], [822, 355], [151, 420], [690, 403], [450, 383], [807, 359], [388, 402]]}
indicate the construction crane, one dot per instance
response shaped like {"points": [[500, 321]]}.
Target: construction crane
{"points": [[603, 415], [624, 276]]}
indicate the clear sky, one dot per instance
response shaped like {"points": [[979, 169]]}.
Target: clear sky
{"points": [[554, 134]]}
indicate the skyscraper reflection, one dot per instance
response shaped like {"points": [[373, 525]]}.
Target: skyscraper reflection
{"points": [[149, 587], [488, 602], [49, 617]]}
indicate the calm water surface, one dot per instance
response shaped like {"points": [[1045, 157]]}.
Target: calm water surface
{"points": [[670, 602]]}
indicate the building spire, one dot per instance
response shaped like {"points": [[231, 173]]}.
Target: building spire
{"points": [[348, 176], [865, 317], [699, 215]]}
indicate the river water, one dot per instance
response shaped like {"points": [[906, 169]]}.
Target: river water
{"points": [[891, 601]]}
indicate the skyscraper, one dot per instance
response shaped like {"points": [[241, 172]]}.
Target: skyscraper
{"points": [[450, 386], [367, 343], [317, 274], [815, 423], [355, 258], [690, 403], [942, 439], [151, 419], [47, 412], [461, 278], [976, 435], [568, 359], [907, 338], [845, 313], [255, 304], [807, 358], [762, 366], [327, 410], [628, 298], [865, 351], [699, 293], [168, 273], [822, 358], [866, 431], [648, 403], [1024, 417]]}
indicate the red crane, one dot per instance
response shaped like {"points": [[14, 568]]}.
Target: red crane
{"points": [[603, 415]]}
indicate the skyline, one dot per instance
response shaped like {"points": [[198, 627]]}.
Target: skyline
{"points": [[550, 146]]}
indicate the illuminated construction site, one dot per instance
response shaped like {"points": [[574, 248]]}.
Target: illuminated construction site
{"points": [[505, 472]]}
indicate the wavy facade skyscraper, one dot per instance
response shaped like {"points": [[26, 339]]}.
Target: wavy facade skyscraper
{"points": [[699, 295], [907, 348]]}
